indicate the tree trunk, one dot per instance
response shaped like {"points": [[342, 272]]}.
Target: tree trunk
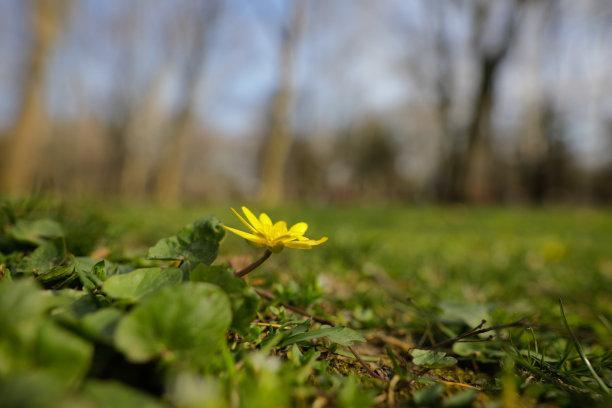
{"points": [[168, 175], [142, 129], [277, 141], [445, 181], [532, 181], [24, 140], [478, 186], [478, 180]]}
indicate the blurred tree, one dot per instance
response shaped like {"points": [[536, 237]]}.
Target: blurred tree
{"points": [[141, 129], [137, 104], [601, 184], [491, 47], [467, 170], [168, 172], [546, 168], [445, 181], [277, 140], [25, 139], [305, 170], [371, 152], [124, 33], [541, 149]]}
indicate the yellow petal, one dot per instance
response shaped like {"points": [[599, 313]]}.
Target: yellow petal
{"points": [[252, 218], [265, 220], [266, 225], [298, 245], [242, 220], [279, 229], [299, 228], [314, 241], [246, 235]]}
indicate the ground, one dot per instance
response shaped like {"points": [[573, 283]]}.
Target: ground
{"points": [[411, 278], [413, 273]]}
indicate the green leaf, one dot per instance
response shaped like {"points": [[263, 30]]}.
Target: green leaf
{"points": [[84, 313], [354, 395], [76, 272], [31, 341], [471, 314], [460, 399], [196, 243], [135, 285], [36, 232], [484, 352], [428, 396], [432, 359], [62, 353], [31, 389], [110, 394], [338, 335], [74, 305], [41, 260], [244, 298], [105, 269], [22, 302], [101, 324], [185, 320]]}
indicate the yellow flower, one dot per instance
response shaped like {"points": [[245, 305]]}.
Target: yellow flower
{"points": [[276, 236]]}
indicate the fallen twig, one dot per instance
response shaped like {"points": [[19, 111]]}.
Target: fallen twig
{"points": [[391, 391], [392, 341]]}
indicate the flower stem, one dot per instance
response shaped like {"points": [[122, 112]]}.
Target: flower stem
{"points": [[254, 265]]}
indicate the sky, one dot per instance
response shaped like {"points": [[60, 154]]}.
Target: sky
{"points": [[353, 60]]}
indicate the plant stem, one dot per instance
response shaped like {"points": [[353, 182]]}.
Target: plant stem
{"points": [[581, 353], [269, 296], [477, 330], [243, 272]]}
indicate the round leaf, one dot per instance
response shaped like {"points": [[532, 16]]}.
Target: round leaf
{"points": [[141, 282], [191, 318], [432, 359]]}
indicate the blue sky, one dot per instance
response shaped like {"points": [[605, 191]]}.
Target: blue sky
{"points": [[355, 59]]}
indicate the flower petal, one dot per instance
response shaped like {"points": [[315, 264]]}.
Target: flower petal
{"points": [[274, 236], [279, 229], [242, 220], [266, 226], [298, 245], [252, 219], [314, 241], [246, 235], [265, 220], [299, 228]]}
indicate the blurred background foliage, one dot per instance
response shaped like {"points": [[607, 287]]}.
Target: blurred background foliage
{"points": [[421, 100]]}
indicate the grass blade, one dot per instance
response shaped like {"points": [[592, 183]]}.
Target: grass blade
{"points": [[580, 351]]}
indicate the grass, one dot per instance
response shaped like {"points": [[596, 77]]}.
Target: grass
{"points": [[420, 277], [423, 274]]}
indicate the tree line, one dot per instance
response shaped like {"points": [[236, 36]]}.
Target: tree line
{"points": [[443, 144]]}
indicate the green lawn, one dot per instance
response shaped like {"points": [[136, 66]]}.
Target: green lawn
{"points": [[411, 277], [508, 258]]}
